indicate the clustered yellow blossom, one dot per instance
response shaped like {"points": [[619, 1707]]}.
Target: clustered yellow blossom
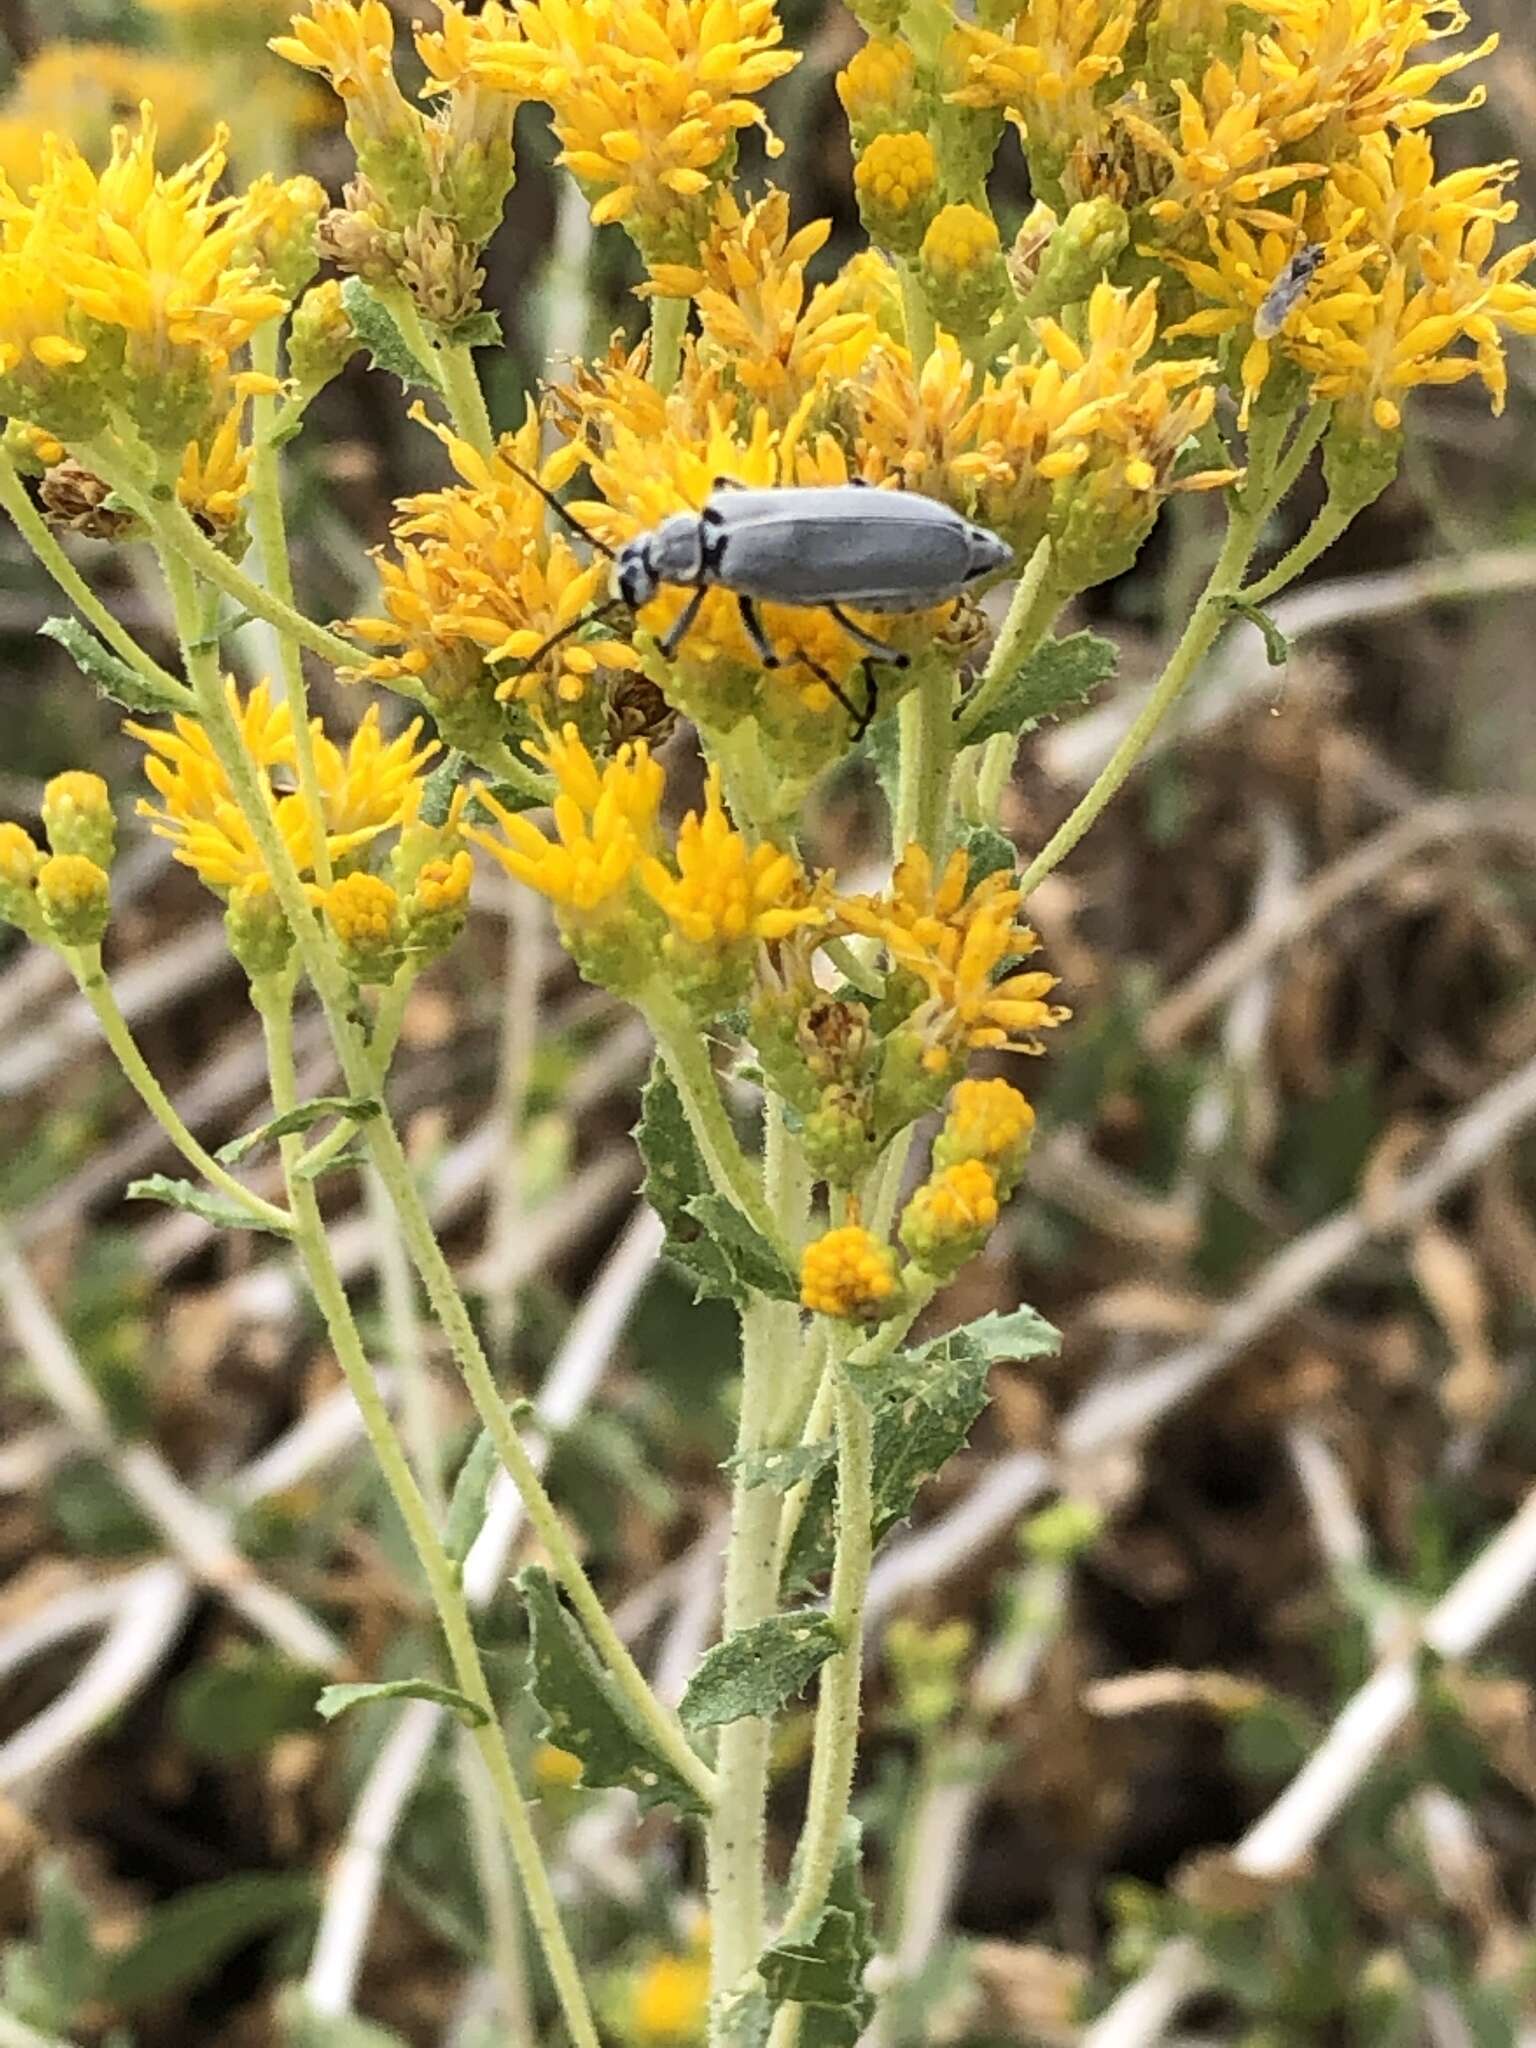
{"points": [[135, 285], [847, 1273], [477, 583], [703, 905], [647, 99], [951, 940], [990, 1122], [63, 895], [950, 1217]]}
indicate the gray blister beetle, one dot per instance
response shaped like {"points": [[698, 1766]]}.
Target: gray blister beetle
{"points": [[816, 547]]}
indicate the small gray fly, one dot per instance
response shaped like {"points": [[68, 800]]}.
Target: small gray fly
{"points": [[1288, 291], [815, 547]]}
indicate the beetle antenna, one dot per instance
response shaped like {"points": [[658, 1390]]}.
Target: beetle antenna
{"points": [[560, 512], [599, 611]]}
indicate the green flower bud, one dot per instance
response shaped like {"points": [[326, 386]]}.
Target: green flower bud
{"points": [[77, 816], [74, 895]]}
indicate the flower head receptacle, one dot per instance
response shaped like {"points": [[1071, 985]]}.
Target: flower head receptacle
{"points": [[848, 1274]]}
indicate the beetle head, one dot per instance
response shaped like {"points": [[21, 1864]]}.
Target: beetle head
{"points": [[671, 553], [985, 553]]}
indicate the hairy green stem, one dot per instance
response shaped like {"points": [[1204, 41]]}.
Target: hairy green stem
{"points": [[39, 536], [916, 314], [383, 1037], [685, 1055], [669, 323], [273, 1001], [1288, 470], [927, 751], [1207, 620], [387, 1154], [180, 535], [837, 1701], [466, 396], [86, 966], [1031, 612], [1334, 520], [271, 534]]}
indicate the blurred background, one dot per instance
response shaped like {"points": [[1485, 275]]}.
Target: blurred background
{"points": [[1280, 1208]]}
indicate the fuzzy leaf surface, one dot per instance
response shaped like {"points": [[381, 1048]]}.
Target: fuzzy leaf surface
{"points": [[756, 1670]]}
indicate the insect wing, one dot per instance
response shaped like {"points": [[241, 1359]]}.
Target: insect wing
{"points": [[883, 550]]}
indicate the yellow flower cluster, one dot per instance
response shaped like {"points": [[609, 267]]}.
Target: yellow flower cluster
{"points": [[990, 1122], [849, 1274], [63, 895], [138, 286], [647, 97], [951, 940], [477, 583], [950, 1217], [629, 908]]}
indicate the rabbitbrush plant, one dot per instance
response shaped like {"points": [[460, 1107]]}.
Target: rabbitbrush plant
{"points": [[1241, 255]]}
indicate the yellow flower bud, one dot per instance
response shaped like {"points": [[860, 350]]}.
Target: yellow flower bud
{"points": [[947, 1221], [435, 907], [989, 1121], [321, 338], [669, 2000], [849, 1274], [363, 911], [897, 181], [962, 263], [555, 1770], [21, 858], [74, 895], [259, 934], [77, 816], [877, 87]]}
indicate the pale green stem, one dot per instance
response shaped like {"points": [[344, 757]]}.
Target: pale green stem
{"points": [[85, 965], [737, 1827], [916, 316], [1289, 469], [771, 1341], [1331, 523], [181, 535], [686, 1057], [669, 323], [837, 1701], [388, 1156], [884, 1189], [992, 773], [270, 531], [519, 1042], [1207, 620], [498, 1894], [274, 1002], [813, 1430], [466, 397], [927, 751], [1031, 612], [39, 536], [388, 1019]]}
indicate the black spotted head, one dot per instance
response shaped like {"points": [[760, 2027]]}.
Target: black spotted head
{"points": [[985, 552]]}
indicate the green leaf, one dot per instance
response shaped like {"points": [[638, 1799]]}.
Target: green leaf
{"points": [[1276, 646], [113, 677], [757, 1669], [349, 1157], [219, 1210], [240, 1708], [512, 796], [357, 1109], [583, 1713], [387, 347], [480, 330], [466, 1509], [437, 791], [1058, 675], [989, 853], [782, 1469], [675, 1177], [745, 2019], [925, 1402], [66, 1958], [302, 2027], [755, 1266], [338, 1699], [186, 1940], [825, 1975]]}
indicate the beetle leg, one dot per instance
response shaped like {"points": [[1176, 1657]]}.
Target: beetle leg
{"points": [[727, 483], [679, 629], [753, 626], [871, 703], [867, 641]]}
